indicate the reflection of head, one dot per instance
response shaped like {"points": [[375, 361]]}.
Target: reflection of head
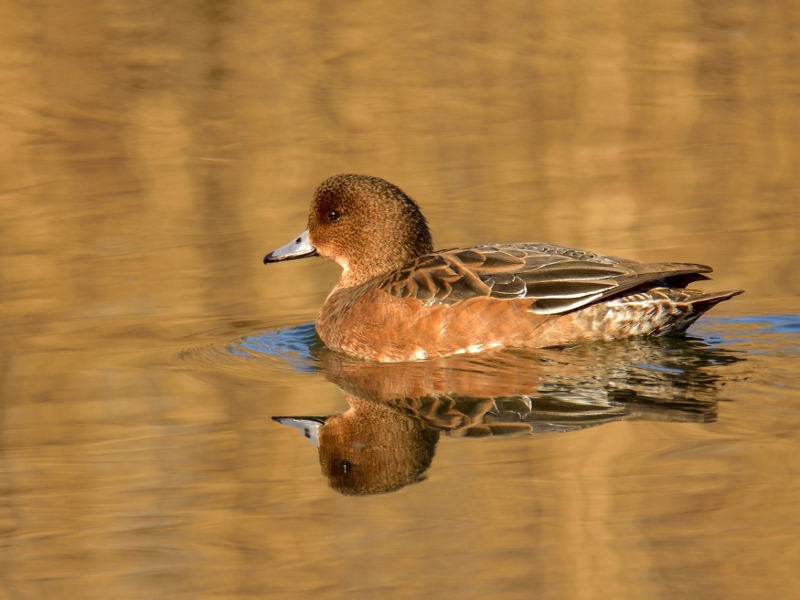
{"points": [[373, 448]]}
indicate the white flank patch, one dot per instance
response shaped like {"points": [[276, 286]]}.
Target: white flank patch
{"points": [[420, 355]]}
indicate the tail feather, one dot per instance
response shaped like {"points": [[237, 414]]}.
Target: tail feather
{"points": [[655, 311], [697, 304], [708, 300]]}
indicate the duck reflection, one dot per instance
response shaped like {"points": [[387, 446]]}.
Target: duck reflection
{"points": [[397, 411]]}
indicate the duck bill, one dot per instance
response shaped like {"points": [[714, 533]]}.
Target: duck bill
{"points": [[297, 248], [308, 426]]}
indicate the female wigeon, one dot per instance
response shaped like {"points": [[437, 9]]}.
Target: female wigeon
{"points": [[398, 300]]}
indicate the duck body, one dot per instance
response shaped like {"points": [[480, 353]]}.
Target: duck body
{"points": [[398, 300]]}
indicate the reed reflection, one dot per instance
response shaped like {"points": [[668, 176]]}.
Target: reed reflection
{"points": [[397, 412]]}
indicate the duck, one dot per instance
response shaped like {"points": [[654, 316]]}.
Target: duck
{"points": [[398, 300]]}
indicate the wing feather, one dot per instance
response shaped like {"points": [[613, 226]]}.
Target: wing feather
{"points": [[556, 279]]}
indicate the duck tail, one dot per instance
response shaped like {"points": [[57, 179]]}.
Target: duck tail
{"points": [[699, 303]]}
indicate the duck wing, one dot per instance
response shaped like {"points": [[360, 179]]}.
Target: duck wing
{"points": [[557, 279]]}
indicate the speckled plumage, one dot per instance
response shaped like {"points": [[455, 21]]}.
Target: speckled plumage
{"points": [[398, 300]]}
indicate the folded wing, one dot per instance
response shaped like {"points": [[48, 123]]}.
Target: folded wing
{"points": [[555, 278]]}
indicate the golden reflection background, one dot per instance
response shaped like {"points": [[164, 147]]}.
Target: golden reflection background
{"points": [[151, 153]]}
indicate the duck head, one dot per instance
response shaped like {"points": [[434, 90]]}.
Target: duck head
{"points": [[366, 224]]}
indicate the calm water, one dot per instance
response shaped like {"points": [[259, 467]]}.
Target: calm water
{"points": [[170, 427]]}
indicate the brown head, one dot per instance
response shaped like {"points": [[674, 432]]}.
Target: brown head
{"points": [[366, 224], [374, 448]]}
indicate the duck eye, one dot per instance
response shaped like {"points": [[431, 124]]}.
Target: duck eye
{"points": [[333, 216]]}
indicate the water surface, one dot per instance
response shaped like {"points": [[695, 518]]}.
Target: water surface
{"points": [[151, 154]]}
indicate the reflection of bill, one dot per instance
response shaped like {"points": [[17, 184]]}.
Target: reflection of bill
{"points": [[387, 437]]}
